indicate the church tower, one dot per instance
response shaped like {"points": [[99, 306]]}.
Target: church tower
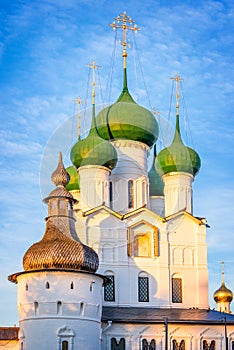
{"points": [[223, 296], [59, 294]]}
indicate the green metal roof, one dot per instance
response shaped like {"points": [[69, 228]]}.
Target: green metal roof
{"points": [[74, 183], [93, 150], [177, 157], [125, 119]]}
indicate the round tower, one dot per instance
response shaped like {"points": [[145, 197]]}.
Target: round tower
{"points": [[59, 294], [223, 296], [178, 165]]}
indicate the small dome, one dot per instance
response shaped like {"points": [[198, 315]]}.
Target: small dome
{"points": [[156, 185], [74, 183], [60, 176], [177, 157], [56, 250], [223, 294], [127, 120], [93, 150]]}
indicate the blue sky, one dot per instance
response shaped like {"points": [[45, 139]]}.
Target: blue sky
{"points": [[44, 48]]}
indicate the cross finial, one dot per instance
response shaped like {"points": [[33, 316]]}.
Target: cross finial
{"points": [[93, 66], [222, 262], [177, 79], [78, 100], [125, 23]]}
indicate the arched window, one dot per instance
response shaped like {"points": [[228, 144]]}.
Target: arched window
{"points": [[111, 194], [47, 285], [82, 305], [59, 307], [176, 289], [208, 346], [130, 194], [115, 345], [178, 345], [36, 307], [72, 285], [21, 346], [151, 345], [109, 287], [143, 287], [64, 345], [143, 192]]}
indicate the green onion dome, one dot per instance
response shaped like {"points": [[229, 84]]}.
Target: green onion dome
{"points": [[73, 183], [156, 185], [177, 157], [127, 120], [93, 150]]}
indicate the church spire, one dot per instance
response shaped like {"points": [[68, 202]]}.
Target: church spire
{"points": [[93, 66]]}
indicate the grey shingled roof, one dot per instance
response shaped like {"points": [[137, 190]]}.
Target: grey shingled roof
{"points": [[158, 315]]}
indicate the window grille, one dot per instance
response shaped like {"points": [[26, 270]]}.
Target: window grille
{"points": [[143, 289], [176, 290], [109, 289]]}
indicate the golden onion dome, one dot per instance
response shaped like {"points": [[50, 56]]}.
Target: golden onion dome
{"points": [[223, 294], [57, 250]]}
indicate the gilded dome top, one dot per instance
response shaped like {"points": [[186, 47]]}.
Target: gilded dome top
{"points": [[93, 150], [57, 250], [223, 294], [156, 185], [74, 183], [177, 157], [127, 120]]}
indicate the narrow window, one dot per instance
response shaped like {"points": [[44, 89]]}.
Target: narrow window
{"points": [[22, 346], [59, 307], [72, 285], [109, 288], [111, 194], [64, 345], [143, 193], [91, 286], [143, 289], [176, 290], [82, 308], [47, 285], [130, 194], [26, 287], [36, 307]]}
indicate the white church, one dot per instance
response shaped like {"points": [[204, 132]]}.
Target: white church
{"points": [[122, 264]]}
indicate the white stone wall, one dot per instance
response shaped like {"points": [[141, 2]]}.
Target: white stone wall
{"points": [[193, 335], [94, 186], [178, 192]]}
